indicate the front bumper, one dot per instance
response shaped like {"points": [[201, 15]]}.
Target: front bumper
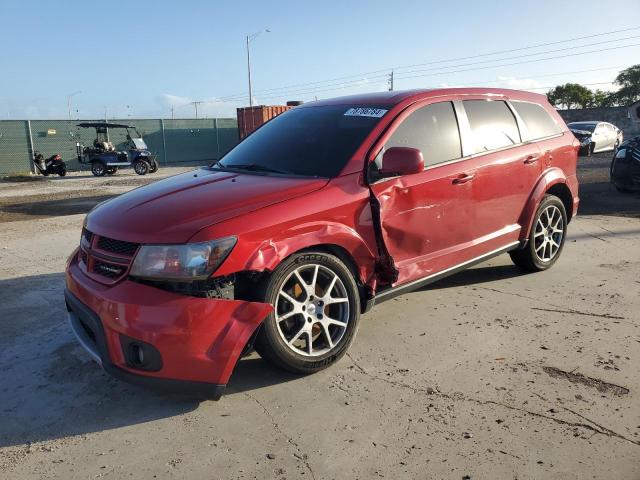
{"points": [[198, 340]]}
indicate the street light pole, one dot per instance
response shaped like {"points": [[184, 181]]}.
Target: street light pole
{"points": [[249, 39], [69, 101], [249, 71]]}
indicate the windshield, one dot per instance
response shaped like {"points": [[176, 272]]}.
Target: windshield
{"points": [[589, 127], [306, 141], [139, 143]]}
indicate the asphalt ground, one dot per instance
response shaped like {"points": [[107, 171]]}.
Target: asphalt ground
{"points": [[490, 374]]}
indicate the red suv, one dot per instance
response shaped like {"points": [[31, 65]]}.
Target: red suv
{"points": [[307, 223]]}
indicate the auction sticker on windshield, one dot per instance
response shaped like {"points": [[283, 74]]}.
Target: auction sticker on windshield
{"points": [[365, 112]]}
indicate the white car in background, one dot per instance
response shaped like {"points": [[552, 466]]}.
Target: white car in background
{"points": [[596, 137]]}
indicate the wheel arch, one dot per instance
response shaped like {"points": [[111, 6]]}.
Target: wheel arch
{"points": [[561, 190], [339, 251], [553, 182]]}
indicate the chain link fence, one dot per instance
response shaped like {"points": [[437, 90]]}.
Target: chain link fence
{"points": [[172, 141]]}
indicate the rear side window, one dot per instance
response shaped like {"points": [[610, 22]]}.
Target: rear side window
{"points": [[492, 125], [538, 121], [433, 130]]}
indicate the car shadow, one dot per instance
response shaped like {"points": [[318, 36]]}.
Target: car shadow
{"points": [[49, 386], [477, 275]]}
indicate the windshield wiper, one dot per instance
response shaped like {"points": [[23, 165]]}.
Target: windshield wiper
{"points": [[253, 167]]}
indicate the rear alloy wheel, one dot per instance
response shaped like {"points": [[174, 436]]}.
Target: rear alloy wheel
{"points": [[547, 237], [141, 167], [316, 313], [98, 168]]}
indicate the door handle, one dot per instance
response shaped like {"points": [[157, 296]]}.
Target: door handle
{"points": [[529, 159], [464, 178]]}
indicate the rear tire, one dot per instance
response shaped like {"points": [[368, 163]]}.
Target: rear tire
{"points": [[547, 237], [63, 172], [316, 313], [98, 168]]}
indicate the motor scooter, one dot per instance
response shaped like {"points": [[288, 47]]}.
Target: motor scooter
{"points": [[54, 165]]}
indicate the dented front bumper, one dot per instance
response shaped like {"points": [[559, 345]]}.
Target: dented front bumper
{"points": [[149, 336]]}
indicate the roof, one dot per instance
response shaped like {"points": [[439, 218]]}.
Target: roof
{"points": [[396, 97], [103, 125]]}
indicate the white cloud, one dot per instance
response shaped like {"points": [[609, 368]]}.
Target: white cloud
{"points": [[184, 108], [519, 83]]}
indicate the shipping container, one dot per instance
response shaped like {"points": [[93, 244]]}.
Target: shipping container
{"points": [[250, 118]]}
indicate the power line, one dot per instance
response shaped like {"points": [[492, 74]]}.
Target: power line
{"points": [[342, 85], [361, 75], [527, 55], [525, 61], [396, 77]]}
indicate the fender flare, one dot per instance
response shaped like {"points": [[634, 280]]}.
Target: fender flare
{"points": [[549, 178]]}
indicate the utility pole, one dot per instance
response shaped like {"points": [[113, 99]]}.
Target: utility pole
{"points": [[195, 104], [391, 81], [171, 112]]}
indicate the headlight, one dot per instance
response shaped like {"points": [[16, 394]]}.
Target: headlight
{"points": [[622, 153], [192, 261]]}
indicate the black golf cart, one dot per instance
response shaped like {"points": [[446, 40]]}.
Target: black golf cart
{"points": [[105, 159]]}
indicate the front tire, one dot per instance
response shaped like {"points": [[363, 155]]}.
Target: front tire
{"points": [[547, 237], [316, 313], [141, 167]]}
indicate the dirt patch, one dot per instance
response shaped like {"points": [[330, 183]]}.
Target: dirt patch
{"points": [[53, 205], [600, 385]]}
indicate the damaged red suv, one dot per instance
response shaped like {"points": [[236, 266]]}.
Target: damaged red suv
{"points": [[319, 214]]}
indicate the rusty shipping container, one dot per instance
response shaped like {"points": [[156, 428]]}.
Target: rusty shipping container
{"points": [[250, 118]]}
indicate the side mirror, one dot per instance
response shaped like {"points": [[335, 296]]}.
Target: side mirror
{"points": [[401, 161]]}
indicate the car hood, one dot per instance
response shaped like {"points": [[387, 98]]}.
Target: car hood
{"points": [[580, 132], [174, 209]]}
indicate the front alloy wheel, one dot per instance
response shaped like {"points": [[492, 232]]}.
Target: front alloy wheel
{"points": [[316, 313]]}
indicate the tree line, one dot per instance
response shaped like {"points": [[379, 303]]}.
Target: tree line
{"points": [[574, 95]]}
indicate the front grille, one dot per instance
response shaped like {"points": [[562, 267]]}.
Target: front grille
{"points": [[108, 270], [105, 258], [117, 246]]}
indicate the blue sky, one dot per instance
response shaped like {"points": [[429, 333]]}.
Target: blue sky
{"points": [[139, 58]]}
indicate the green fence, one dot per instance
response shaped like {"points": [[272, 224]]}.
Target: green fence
{"points": [[172, 141]]}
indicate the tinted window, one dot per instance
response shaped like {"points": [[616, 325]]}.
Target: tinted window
{"points": [[433, 130], [308, 141], [539, 123], [492, 125]]}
